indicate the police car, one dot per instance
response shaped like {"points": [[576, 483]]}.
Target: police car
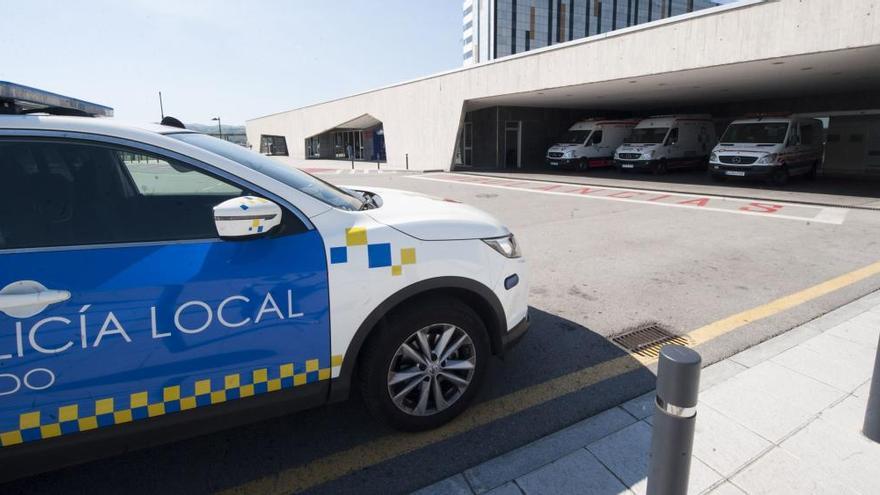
{"points": [[151, 276]]}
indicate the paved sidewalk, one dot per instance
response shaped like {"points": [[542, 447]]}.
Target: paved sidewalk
{"points": [[781, 417]]}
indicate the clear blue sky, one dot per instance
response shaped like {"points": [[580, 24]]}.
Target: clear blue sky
{"points": [[233, 58]]}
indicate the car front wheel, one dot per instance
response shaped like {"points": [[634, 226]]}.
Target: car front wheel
{"points": [[425, 364]]}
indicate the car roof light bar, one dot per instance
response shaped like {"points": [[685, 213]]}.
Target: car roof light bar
{"points": [[17, 98]]}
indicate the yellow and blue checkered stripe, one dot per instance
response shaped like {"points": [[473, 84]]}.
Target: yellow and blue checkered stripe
{"points": [[89, 415], [378, 255]]}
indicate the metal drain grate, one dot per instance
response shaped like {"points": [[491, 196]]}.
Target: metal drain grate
{"points": [[646, 340]]}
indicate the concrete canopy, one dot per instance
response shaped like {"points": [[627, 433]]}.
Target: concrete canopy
{"points": [[843, 71], [721, 54]]}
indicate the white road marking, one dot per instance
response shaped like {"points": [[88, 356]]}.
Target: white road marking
{"points": [[706, 202], [832, 215]]}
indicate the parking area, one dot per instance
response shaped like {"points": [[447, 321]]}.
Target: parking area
{"points": [[728, 271]]}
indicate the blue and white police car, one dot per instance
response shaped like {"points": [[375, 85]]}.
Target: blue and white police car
{"points": [[152, 277]]}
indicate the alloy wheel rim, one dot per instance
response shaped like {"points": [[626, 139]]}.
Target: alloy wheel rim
{"points": [[431, 369]]}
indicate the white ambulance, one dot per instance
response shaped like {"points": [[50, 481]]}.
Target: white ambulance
{"points": [[771, 148], [589, 144], [667, 142]]}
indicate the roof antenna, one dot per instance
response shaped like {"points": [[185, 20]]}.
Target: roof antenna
{"points": [[161, 108]]}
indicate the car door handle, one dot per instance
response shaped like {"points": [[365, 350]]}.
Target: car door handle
{"points": [[42, 298]]}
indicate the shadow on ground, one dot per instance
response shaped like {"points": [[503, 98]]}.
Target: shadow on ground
{"points": [[553, 347]]}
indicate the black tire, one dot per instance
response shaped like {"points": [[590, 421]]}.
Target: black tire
{"points": [[814, 169], [583, 165], [780, 176], [660, 168], [380, 354]]}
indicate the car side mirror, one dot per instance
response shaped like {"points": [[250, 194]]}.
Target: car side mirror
{"points": [[246, 216]]}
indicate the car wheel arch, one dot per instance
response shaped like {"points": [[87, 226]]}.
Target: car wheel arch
{"points": [[476, 295]]}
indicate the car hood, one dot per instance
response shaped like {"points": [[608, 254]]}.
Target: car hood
{"points": [[432, 219], [637, 147], [746, 149]]}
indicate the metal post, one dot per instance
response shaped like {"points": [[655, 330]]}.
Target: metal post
{"points": [[675, 416], [872, 413], [407, 161]]}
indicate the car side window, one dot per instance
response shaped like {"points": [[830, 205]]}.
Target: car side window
{"points": [[673, 136], [596, 138], [56, 193], [155, 176]]}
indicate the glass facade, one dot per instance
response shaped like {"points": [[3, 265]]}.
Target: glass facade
{"points": [[523, 25]]}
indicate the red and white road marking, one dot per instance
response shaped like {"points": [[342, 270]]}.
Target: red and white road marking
{"points": [[722, 204]]}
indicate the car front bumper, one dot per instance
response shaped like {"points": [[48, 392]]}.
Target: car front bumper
{"points": [[634, 164], [515, 334], [753, 171], [561, 162]]}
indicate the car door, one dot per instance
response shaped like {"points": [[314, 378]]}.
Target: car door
{"points": [[118, 301]]}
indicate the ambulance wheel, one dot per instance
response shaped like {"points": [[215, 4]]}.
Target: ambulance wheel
{"points": [[583, 165], [660, 168], [425, 364], [814, 168], [780, 176]]}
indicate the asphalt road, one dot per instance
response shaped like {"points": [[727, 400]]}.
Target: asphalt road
{"points": [[602, 261]]}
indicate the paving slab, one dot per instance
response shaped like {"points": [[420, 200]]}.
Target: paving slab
{"points": [[756, 355], [723, 444], [848, 413], [842, 314], [864, 389], [626, 454], [838, 451], [497, 471], [719, 372], [840, 363], [863, 329], [578, 473], [780, 472], [727, 488], [509, 488], [771, 400], [642, 406], [454, 485]]}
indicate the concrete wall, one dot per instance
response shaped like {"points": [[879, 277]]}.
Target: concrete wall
{"points": [[422, 117]]}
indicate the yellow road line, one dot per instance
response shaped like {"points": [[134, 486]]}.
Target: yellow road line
{"points": [[339, 464]]}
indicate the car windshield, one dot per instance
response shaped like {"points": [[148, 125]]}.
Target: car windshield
{"points": [[762, 132], [648, 135], [286, 174], [574, 137]]}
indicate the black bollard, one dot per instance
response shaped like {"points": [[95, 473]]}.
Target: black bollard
{"points": [[675, 416], [871, 428]]}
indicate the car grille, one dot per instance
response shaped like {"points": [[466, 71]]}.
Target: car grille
{"points": [[629, 156], [738, 160], [555, 154]]}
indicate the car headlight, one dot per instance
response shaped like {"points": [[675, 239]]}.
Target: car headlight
{"points": [[567, 154], [648, 154], [767, 159], [713, 157], [506, 245]]}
